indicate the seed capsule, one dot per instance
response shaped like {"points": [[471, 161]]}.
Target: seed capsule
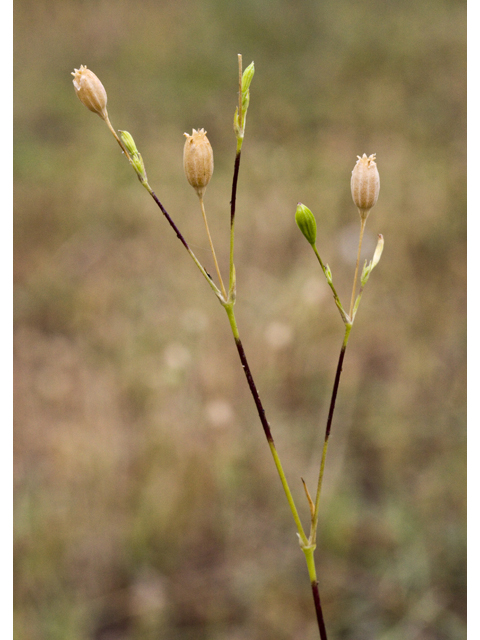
{"points": [[198, 160], [365, 184], [90, 91]]}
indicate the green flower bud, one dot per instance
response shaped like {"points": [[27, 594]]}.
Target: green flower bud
{"points": [[129, 142], [136, 159], [236, 125], [306, 223], [247, 77], [245, 102], [138, 165], [367, 268]]}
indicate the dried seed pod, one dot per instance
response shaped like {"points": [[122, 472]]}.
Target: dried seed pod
{"points": [[365, 184], [198, 160], [90, 91]]}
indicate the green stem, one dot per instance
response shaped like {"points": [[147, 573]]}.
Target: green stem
{"points": [[265, 424], [362, 229], [313, 532], [202, 207], [309, 551], [115, 135], [345, 318]]}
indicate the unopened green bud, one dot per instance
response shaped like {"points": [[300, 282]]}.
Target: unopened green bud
{"points": [[247, 77], [306, 223], [367, 267], [245, 102], [136, 159], [138, 165], [236, 125], [129, 142]]}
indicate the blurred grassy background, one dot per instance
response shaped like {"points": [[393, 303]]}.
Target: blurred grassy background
{"points": [[146, 502]]}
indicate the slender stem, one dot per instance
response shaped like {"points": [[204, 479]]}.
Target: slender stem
{"points": [[362, 229], [345, 318], [305, 544], [233, 199], [167, 216], [233, 202], [202, 207], [264, 421], [333, 399], [357, 302], [122, 146], [309, 551], [205, 274], [313, 533], [318, 609]]}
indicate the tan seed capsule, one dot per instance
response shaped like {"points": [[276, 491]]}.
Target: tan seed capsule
{"points": [[198, 160], [365, 184], [90, 91]]}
